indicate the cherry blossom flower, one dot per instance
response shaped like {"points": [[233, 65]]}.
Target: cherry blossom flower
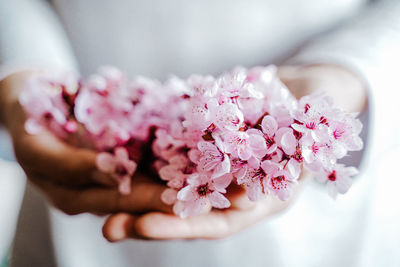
{"points": [[280, 181], [213, 159], [225, 116], [314, 112], [176, 171], [245, 145], [203, 132], [200, 192], [254, 180], [337, 178], [119, 166], [49, 99]]}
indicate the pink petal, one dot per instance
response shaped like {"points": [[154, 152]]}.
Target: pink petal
{"points": [[32, 127], [258, 145], [294, 168], [124, 186], [188, 193], [218, 200], [254, 191], [168, 196], [169, 172], [343, 184], [176, 182], [289, 143], [222, 168], [121, 153], [105, 162], [222, 182], [270, 167], [194, 155], [180, 161], [244, 153], [130, 167], [332, 190], [283, 194], [269, 125]]}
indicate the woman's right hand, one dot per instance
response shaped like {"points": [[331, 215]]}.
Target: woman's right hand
{"points": [[68, 175]]}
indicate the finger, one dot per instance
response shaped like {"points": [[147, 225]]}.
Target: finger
{"points": [[119, 227], [214, 225], [45, 156], [145, 196]]}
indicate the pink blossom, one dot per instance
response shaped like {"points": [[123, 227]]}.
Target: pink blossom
{"points": [[200, 192], [48, 99], [345, 133], [236, 84], [314, 112], [280, 181], [213, 159], [225, 116], [176, 171], [119, 166], [245, 145], [254, 180], [337, 178]]}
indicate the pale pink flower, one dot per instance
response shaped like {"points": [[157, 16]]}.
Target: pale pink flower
{"points": [[169, 196], [119, 166], [225, 116], [202, 85], [314, 111], [317, 154], [345, 133], [337, 178], [176, 171], [48, 100], [280, 181], [245, 145], [201, 192], [236, 84], [212, 159], [254, 180]]}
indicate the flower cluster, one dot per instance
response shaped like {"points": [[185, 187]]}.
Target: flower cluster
{"points": [[206, 133]]}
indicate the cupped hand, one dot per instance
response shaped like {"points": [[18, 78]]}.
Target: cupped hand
{"points": [[68, 175], [215, 224]]}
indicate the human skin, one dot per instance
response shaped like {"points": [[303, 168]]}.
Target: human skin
{"points": [[67, 175]]}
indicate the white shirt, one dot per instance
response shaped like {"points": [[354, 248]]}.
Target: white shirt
{"points": [[156, 38]]}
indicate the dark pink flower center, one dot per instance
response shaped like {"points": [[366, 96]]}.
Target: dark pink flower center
{"points": [[297, 134], [48, 116], [311, 125], [203, 190], [306, 108], [278, 182], [270, 141], [332, 176], [315, 148], [323, 120], [298, 154], [338, 133], [121, 170]]}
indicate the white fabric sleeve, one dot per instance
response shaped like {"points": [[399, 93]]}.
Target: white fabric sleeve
{"points": [[31, 35], [369, 43]]}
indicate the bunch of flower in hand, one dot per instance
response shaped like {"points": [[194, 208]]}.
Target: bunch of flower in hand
{"points": [[243, 127]]}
